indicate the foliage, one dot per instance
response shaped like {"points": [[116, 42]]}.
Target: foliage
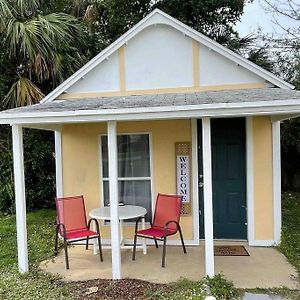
{"points": [[290, 241], [108, 20], [38, 49], [41, 230], [217, 286], [221, 288], [36, 284], [39, 170]]}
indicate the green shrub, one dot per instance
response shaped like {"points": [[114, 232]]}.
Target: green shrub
{"points": [[39, 164], [221, 288]]}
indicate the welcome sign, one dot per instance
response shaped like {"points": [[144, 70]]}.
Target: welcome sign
{"points": [[183, 171]]}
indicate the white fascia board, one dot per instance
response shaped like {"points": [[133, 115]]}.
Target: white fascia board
{"points": [[278, 107], [159, 17]]}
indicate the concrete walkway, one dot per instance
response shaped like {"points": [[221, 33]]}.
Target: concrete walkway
{"points": [[265, 267], [249, 296]]}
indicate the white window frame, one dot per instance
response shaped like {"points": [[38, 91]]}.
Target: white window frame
{"points": [[151, 178]]}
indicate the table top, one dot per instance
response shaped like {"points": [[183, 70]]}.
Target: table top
{"points": [[125, 212]]}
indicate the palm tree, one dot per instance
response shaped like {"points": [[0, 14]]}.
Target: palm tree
{"points": [[39, 47]]}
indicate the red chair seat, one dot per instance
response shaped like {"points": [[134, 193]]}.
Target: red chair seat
{"points": [[81, 233], [156, 232]]}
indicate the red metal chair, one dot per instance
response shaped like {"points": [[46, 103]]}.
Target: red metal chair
{"points": [[72, 225], [165, 223]]}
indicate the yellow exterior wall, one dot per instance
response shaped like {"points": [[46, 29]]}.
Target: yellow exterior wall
{"points": [[263, 179], [80, 152]]}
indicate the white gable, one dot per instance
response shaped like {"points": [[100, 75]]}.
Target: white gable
{"points": [[159, 57], [103, 78], [215, 69], [160, 53]]}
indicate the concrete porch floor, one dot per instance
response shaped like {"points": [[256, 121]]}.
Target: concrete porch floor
{"points": [[264, 268]]}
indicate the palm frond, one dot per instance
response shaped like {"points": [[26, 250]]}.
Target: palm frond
{"points": [[26, 7], [23, 92], [5, 13]]}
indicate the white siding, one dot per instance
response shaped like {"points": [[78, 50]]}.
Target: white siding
{"points": [[159, 57], [218, 70], [103, 78]]}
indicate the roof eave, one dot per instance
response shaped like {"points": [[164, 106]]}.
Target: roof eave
{"points": [[276, 107]]}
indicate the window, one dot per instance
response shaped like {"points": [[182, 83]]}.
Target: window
{"points": [[134, 174]]}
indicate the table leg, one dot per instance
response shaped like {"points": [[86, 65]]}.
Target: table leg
{"points": [[95, 242], [144, 240], [122, 242]]}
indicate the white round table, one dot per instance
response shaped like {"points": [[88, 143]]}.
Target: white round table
{"points": [[125, 212]]}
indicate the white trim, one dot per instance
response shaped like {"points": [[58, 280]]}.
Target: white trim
{"points": [[113, 196], [101, 200], [275, 107], [46, 127], [276, 180], [58, 164], [207, 195], [153, 192], [250, 183], [18, 157], [150, 178], [159, 17], [262, 243], [128, 178], [195, 203], [284, 117]]}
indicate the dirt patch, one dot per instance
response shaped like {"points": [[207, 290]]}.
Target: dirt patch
{"points": [[125, 289]]}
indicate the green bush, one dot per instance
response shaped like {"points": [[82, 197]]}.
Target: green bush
{"points": [[39, 170]]}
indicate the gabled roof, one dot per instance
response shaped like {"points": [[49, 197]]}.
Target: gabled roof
{"points": [[159, 17]]}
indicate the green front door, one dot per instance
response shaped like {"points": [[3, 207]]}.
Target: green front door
{"points": [[229, 178]]}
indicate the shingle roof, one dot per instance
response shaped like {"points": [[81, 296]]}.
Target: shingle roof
{"points": [[161, 100]]}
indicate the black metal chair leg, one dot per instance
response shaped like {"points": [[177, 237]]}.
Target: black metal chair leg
{"points": [[134, 247], [163, 262], [182, 242], [66, 254], [56, 242], [100, 248], [155, 241], [87, 243]]}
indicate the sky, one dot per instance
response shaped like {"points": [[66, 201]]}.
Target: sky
{"points": [[255, 16]]}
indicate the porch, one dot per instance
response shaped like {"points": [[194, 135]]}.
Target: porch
{"points": [[265, 267]]}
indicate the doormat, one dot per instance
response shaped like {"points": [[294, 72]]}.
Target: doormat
{"points": [[230, 251]]}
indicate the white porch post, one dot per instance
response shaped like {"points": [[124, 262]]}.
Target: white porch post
{"points": [[113, 198], [207, 195], [276, 180], [58, 165], [17, 136]]}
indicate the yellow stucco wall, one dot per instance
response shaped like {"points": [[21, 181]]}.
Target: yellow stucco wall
{"points": [[263, 178], [80, 151]]}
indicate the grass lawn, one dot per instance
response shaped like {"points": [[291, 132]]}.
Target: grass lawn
{"points": [[39, 285]]}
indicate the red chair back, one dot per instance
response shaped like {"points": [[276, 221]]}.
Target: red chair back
{"points": [[71, 213], [167, 208]]}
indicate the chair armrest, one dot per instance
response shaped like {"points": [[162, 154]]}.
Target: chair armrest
{"points": [[63, 229], [139, 219], [96, 223], [166, 226]]}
